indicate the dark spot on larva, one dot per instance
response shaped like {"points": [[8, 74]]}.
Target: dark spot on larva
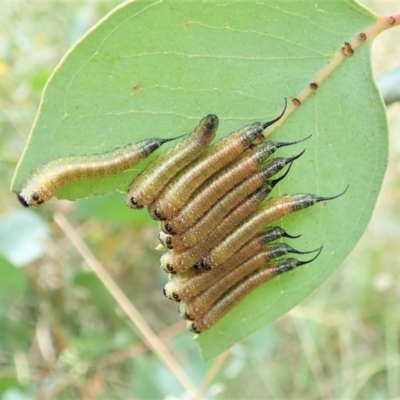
{"points": [[175, 296], [22, 200], [392, 20], [170, 268], [168, 228], [193, 328], [168, 241], [296, 101], [187, 316], [347, 50], [35, 197], [165, 292], [362, 37], [313, 86], [158, 216], [135, 203]]}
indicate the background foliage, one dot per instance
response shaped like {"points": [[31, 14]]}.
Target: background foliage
{"points": [[62, 336]]}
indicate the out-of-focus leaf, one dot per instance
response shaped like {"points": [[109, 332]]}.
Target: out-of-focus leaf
{"points": [[23, 235]]}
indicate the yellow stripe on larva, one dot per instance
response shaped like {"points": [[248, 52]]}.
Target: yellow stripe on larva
{"points": [[177, 193], [240, 291], [178, 261], [152, 180], [191, 283], [270, 212], [196, 307], [49, 178]]}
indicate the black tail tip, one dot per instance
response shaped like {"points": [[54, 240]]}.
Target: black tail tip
{"points": [[286, 235], [314, 258], [333, 197], [293, 158], [269, 123]]}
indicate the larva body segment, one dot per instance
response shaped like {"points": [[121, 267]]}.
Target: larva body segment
{"points": [[240, 291], [270, 212], [192, 282], [49, 178], [215, 187], [178, 261], [217, 213], [151, 181], [177, 192], [196, 307]]}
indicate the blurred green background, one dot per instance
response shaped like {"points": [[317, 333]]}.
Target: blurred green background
{"points": [[62, 336]]}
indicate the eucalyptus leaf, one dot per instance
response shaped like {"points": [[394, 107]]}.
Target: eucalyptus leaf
{"points": [[155, 68]]}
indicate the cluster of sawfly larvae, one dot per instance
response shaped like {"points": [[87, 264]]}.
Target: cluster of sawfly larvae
{"points": [[211, 201]]}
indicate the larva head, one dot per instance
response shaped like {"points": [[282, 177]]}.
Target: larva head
{"points": [[155, 212], [166, 263], [191, 326], [33, 193], [170, 292], [165, 239], [207, 126], [134, 203], [166, 227], [183, 311]]}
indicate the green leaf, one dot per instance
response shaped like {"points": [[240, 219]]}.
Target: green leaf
{"points": [[155, 68]]}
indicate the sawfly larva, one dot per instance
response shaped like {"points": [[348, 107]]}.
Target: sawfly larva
{"points": [[178, 261], [49, 178], [214, 188], [270, 212], [196, 307], [151, 181], [177, 192], [192, 282], [218, 212], [240, 291]]}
